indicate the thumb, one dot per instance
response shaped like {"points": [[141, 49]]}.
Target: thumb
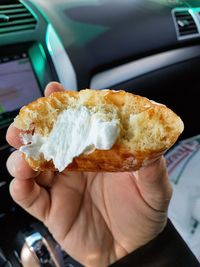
{"points": [[154, 185]]}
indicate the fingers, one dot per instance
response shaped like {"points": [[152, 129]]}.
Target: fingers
{"points": [[46, 179], [31, 197], [27, 188], [53, 87], [18, 167], [154, 185], [13, 136]]}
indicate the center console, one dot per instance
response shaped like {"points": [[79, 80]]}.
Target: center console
{"points": [[20, 83], [24, 241]]}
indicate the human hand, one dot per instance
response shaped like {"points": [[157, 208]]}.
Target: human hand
{"points": [[97, 218]]}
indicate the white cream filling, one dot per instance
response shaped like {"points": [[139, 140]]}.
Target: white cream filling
{"points": [[75, 132]]}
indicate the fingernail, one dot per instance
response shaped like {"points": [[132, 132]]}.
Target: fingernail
{"points": [[13, 162]]}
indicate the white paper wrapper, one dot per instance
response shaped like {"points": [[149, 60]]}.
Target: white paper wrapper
{"points": [[183, 163]]}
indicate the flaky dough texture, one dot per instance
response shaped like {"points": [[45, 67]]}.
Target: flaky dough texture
{"points": [[147, 129]]}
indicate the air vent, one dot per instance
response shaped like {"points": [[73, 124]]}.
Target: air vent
{"points": [[14, 16], [185, 24]]}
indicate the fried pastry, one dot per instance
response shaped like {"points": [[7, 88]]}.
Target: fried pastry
{"points": [[95, 130]]}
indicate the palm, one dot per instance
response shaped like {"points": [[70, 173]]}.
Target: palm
{"points": [[99, 214]]}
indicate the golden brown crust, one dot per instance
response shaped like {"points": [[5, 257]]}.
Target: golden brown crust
{"points": [[161, 125], [113, 160]]}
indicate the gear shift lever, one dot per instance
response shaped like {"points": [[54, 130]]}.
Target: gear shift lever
{"points": [[35, 247], [39, 251]]}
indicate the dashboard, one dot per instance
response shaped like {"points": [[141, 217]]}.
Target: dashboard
{"points": [[148, 47]]}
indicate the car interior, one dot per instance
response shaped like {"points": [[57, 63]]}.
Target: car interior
{"points": [[147, 47]]}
